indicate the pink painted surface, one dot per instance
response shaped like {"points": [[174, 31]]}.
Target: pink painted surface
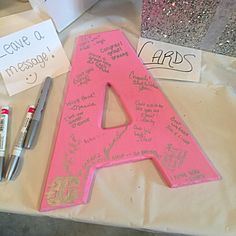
{"points": [[155, 130]]}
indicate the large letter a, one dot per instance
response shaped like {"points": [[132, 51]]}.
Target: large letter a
{"points": [[155, 131]]}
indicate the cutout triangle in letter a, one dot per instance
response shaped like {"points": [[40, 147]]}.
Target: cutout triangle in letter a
{"points": [[114, 114], [151, 130]]}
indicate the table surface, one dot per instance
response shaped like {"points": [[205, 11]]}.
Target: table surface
{"points": [[137, 198]]}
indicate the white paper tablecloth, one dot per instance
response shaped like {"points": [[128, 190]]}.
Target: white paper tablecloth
{"points": [[133, 195]]}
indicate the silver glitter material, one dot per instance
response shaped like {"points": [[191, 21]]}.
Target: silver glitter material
{"points": [[226, 44], [203, 24]]}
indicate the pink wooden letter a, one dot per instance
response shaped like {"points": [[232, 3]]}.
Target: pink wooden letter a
{"points": [[155, 131]]}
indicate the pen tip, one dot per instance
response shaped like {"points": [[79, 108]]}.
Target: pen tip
{"points": [[8, 177]]}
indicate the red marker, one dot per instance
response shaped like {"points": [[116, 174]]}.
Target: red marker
{"points": [[3, 136]]}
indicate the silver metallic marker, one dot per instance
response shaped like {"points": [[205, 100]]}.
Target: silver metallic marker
{"points": [[33, 129], [14, 163]]}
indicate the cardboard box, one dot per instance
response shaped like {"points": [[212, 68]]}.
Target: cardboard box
{"points": [[62, 12]]}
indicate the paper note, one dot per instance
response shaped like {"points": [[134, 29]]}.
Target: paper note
{"points": [[30, 55], [154, 131], [169, 61]]}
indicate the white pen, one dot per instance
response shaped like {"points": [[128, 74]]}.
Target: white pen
{"points": [[14, 164], [3, 136]]}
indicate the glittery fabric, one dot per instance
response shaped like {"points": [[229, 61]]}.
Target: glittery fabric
{"points": [[203, 24], [226, 43]]}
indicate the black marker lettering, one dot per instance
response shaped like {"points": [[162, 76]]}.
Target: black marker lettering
{"points": [[167, 60], [7, 48], [3, 55], [166, 55], [185, 57], [15, 46], [157, 56], [144, 45], [25, 40], [178, 56], [38, 35]]}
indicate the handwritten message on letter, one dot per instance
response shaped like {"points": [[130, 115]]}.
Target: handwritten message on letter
{"points": [[28, 56], [155, 132]]}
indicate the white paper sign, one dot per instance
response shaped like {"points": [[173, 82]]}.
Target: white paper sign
{"points": [[168, 61], [30, 55]]}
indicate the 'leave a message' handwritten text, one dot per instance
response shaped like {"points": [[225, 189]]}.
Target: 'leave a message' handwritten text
{"points": [[29, 55]]}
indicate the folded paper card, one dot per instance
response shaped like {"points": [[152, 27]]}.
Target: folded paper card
{"points": [[29, 55], [169, 61], [153, 131]]}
